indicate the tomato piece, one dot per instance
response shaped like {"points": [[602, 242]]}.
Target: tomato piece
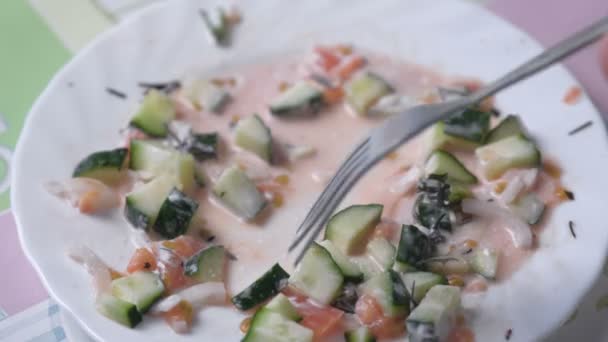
{"points": [[324, 321], [184, 246], [173, 277], [180, 317], [142, 260], [327, 59], [333, 95], [370, 313], [573, 95], [353, 64]]}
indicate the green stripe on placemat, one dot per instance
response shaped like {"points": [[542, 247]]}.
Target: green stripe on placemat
{"points": [[29, 56]]}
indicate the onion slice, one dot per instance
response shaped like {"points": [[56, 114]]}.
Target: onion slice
{"points": [[519, 230], [94, 266]]}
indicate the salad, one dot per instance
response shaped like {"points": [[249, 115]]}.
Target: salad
{"points": [[210, 163]]}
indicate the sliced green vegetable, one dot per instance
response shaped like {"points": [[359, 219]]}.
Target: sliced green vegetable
{"points": [[349, 269], [458, 192], [512, 152], [143, 204], [154, 115], [239, 193], [470, 124], [529, 208], [349, 229], [508, 127], [434, 317], [105, 166], [265, 287], [444, 163], [118, 310], [318, 276], [175, 215], [140, 288], [203, 146], [484, 261], [390, 292], [403, 267], [364, 90], [253, 135], [281, 305], [301, 99], [208, 95], [436, 138], [414, 246], [419, 283], [361, 334], [207, 265], [382, 252], [269, 326]]}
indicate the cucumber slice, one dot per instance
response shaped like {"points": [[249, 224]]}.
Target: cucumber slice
{"points": [[403, 267], [509, 126], [105, 166], [140, 288], [265, 287], [154, 115], [239, 193], [118, 310], [436, 138], [301, 99], [458, 192], [444, 163], [364, 90], [419, 283], [361, 334], [368, 267], [390, 292], [512, 152], [349, 269], [175, 214], [207, 265], [318, 276], [414, 246], [382, 252], [281, 305], [433, 318], [203, 146], [349, 228], [205, 94], [143, 204], [484, 261], [269, 326], [469, 124], [529, 207], [253, 135]]}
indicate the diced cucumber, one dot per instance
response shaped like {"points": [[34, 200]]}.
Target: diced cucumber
{"points": [[281, 305], [349, 228], [390, 292], [512, 152], [529, 207], [403, 267], [207, 265], [301, 99], [105, 166], [436, 138], [209, 96], [458, 192], [509, 126], [414, 246], [444, 163], [364, 90], [349, 269], [484, 261], [203, 146], [154, 115], [118, 310], [175, 215], [433, 318], [143, 204], [419, 283], [253, 135], [318, 276], [361, 334], [449, 265], [239, 193], [298, 152], [265, 287], [470, 124], [368, 267], [382, 252], [269, 326], [140, 288]]}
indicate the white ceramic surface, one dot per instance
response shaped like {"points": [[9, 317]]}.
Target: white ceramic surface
{"points": [[168, 40]]}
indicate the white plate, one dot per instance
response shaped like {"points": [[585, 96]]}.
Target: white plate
{"points": [[167, 40]]}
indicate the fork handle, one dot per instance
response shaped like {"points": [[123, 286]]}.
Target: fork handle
{"points": [[545, 59]]}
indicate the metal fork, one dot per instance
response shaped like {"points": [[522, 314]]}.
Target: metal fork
{"points": [[401, 127]]}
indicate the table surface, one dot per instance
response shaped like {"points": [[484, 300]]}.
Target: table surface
{"points": [[26, 312]]}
